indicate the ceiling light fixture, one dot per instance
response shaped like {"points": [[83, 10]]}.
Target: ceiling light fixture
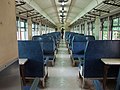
{"points": [[63, 11], [63, 3]]}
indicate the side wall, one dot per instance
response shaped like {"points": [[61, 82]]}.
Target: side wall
{"points": [[8, 39]]}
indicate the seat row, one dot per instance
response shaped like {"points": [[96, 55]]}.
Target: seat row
{"points": [[89, 53], [39, 52], [76, 44], [92, 66]]}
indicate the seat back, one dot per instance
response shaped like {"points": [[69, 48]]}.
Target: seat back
{"points": [[89, 37], [97, 49], [48, 45], [71, 39], [37, 38], [78, 44], [33, 52]]}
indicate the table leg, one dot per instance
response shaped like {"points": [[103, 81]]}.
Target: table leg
{"points": [[106, 67], [22, 74]]}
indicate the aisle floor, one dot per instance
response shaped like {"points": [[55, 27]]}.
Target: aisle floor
{"points": [[63, 76]]}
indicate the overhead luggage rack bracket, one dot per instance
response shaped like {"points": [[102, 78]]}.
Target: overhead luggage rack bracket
{"points": [[22, 3], [37, 16], [26, 11], [113, 4], [89, 16], [93, 14], [32, 15], [102, 10]]}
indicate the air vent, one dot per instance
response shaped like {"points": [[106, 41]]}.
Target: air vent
{"points": [[62, 15], [62, 1]]}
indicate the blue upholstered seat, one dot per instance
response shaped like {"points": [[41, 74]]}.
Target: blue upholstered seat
{"points": [[78, 47], [97, 49], [92, 66], [37, 38], [89, 37], [48, 46], [49, 49], [35, 64]]}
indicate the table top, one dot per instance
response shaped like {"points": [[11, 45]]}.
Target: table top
{"points": [[111, 61], [22, 61]]}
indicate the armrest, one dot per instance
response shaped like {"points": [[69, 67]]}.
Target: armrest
{"points": [[81, 61], [55, 51], [22, 61], [46, 61]]}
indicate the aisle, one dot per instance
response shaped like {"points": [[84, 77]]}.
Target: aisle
{"points": [[63, 76]]}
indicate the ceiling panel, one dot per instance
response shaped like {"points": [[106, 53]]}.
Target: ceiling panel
{"points": [[51, 12], [82, 3], [67, 11], [53, 8], [77, 7], [44, 3]]}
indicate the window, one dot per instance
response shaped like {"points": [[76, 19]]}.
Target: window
{"points": [[18, 28], [43, 29], [88, 29], [35, 29], [116, 29], [82, 28], [105, 30], [52, 30], [21, 29], [78, 29], [92, 29]]}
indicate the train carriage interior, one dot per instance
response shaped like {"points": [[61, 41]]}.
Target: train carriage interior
{"points": [[59, 44]]}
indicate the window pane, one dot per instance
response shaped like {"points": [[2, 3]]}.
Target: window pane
{"points": [[33, 26], [116, 35], [26, 25], [22, 29], [105, 35], [16, 23], [115, 28], [93, 28], [33, 32], [105, 25], [36, 26], [119, 21], [115, 22], [22, 24], [18, 35], [22, 36], [91, 32], [105, 30]]}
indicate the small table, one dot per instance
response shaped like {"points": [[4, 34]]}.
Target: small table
{"points": [[22, 63], [108, 62]]}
